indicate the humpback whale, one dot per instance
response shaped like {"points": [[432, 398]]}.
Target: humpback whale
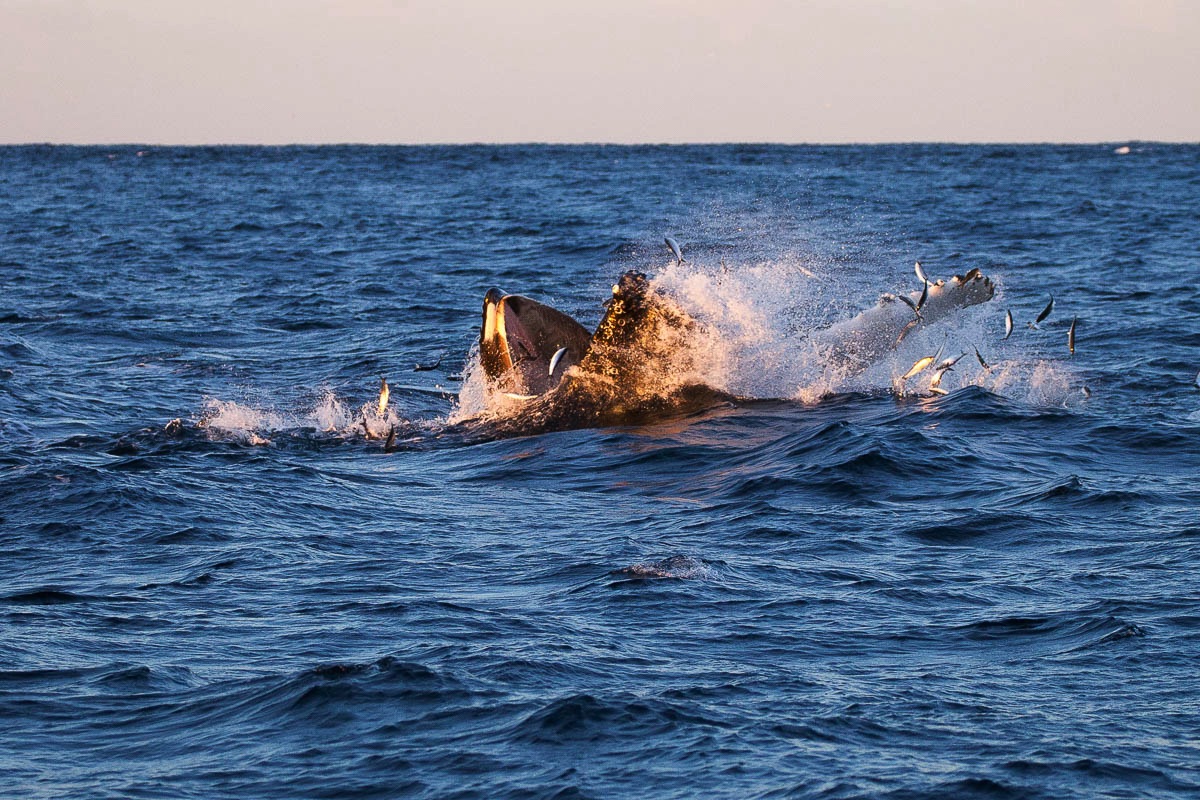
{"points": [[642, 362]]}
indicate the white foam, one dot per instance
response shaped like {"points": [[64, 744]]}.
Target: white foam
{"points": [[233, 417], [228, 419], [331, 414], [759, 322]]}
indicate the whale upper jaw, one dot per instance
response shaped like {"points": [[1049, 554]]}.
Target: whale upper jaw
{"points": [[519, 339]]}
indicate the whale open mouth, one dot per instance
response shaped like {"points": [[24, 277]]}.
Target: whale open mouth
{"points": [[526, 347]]}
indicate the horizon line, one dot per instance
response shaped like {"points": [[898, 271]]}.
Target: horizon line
{"points": [[598, 143]]}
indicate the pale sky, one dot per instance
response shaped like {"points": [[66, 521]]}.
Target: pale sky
{"points": [[417, 71]]}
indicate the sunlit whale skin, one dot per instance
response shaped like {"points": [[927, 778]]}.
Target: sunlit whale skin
{"points": [[624, 373], [642, 362]]}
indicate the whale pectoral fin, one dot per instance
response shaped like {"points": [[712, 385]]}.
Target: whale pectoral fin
{"points": [[859, 342]]}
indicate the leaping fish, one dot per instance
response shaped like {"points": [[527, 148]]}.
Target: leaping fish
{"points": [[384, 393], [908, 301], [949, 363], [674, 245], [941, 369], [904, 331], [1071, 336], [1008, 324], [429, 367], [920, 273], [554, 359], [920, 365], [982, 363], [1045, 313]]}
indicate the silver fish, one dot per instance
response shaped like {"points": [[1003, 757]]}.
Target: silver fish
{"points": [[1045, 313], [917, 367], [904, 331], [675, 251], [982, 363], [949, 363], [920, 273], [1008, 325], [1071, 336], [924, 296], [920, 365], [558, 354], [384, 392]]}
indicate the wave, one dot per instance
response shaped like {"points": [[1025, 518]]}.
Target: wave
{"points": [[1061, 633]]}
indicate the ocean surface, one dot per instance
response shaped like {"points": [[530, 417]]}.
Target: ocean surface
{"points": [[215, 584]]}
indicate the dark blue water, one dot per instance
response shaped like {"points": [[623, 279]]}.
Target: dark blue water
{"points": [[835, 588]]}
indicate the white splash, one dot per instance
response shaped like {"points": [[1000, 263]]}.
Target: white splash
{"points": [[1037, 382], [474, 399], [256, 425], [758, 325], [331, 414], [226, 419], [229, 415]]}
